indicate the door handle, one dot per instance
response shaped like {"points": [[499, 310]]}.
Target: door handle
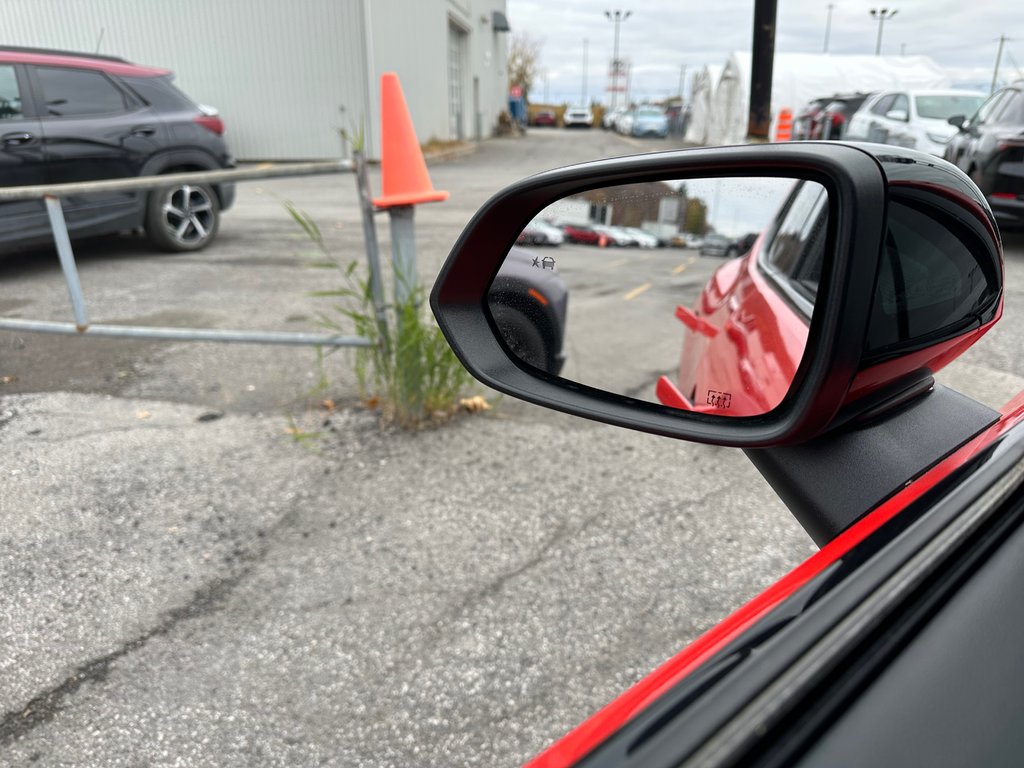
{"points": [[14, 139], [143, 130]]}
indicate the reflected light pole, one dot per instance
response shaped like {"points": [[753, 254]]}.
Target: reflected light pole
{"points": [[828, 25], [617, 16], [881, 14]]}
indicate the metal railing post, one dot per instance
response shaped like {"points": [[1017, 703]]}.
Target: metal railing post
{"points": [[403, 251], [67, 259], [372, 249]]}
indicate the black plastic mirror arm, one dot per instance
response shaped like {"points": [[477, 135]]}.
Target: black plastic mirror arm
{"points": [[857, 192]]}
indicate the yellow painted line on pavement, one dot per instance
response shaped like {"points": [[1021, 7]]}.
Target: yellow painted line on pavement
{"points": [[680, 269], [692, 259], [616, 264], [636, 291], [634, 142]]}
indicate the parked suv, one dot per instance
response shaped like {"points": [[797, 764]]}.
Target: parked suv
{"points": [[989, 147], [71, 117]]}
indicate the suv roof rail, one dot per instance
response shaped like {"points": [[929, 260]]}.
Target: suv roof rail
{"points": [[58, 52]]}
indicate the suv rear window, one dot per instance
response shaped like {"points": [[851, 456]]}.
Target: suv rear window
{"points": [[78, 92]]}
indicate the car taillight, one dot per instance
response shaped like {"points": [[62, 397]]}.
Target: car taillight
{"points": [[1013, 141], [1003, 195], [211, 123]]}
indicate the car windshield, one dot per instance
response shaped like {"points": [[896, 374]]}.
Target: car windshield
{"points": [[945, 106]]}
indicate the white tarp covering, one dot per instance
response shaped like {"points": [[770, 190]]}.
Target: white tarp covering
{"points": [[705, 83], [800, 77]]}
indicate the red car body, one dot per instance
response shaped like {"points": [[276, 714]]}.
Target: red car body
{"points": [[743, 338], [583, 235], [545, 117]]}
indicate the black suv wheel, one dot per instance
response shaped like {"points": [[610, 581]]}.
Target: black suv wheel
{"points": [[182, 218]]}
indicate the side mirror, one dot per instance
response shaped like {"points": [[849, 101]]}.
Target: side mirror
{"points": [[873, 268], [898, 114], [958, 121]]}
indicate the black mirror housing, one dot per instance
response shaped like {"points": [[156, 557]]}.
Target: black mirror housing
{"points": [[834, 374]]}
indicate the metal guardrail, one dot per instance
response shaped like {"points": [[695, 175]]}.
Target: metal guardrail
{"points": [[51, 195]]}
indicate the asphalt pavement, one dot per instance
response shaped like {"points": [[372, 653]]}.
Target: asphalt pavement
{"points": [[188, 583]]}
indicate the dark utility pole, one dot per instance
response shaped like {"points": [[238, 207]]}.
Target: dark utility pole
{"points": [[762, 63]]}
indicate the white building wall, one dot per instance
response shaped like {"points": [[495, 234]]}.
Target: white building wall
{"points": [[287, 76], [411, 39]]}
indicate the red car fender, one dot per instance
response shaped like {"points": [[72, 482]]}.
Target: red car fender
{"points": [[756, 353], [584, 738]]}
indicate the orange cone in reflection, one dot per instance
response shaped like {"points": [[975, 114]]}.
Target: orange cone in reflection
{"points": [[403, 170]]}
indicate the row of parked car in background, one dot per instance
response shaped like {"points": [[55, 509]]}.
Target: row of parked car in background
{"points": [[547, 233], [640, 121], [981, 134]]}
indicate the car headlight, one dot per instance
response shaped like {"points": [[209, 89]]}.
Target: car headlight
{"points": [[938, 138]]}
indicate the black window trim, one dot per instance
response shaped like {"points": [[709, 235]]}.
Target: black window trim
{"points": [[796, 295], [897, 97], [878, 103]]}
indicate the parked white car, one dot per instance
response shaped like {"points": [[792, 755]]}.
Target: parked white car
{"points": [[615, 235], [624, 123], [610, 118], [545, 233], [913, 119], [643, 238], [578, 116]]}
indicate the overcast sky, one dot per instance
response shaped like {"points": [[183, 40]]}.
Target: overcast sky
{"points": [[662, 36]]}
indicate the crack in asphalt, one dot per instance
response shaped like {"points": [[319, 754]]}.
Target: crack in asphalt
{"points": [[205, 600], [48, 704], [109, 431]]}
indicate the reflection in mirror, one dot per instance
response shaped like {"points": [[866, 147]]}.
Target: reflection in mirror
{"points": [[693, 293]]}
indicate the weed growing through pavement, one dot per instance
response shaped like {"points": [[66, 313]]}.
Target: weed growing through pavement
{"points": [[409, 373]]}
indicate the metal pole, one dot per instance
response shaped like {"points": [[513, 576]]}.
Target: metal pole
{"points": [[881, 14], [288, 338], [370, 240], [615, 64], [828, 25], [583, 92], [67, 259], [999, 58], [762, 64], [403, 251], [616, 16]]}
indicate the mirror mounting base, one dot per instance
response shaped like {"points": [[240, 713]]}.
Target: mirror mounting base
{"points": [[830, 482]]}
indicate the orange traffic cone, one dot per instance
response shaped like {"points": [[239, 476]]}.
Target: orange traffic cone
{"points": [[403, 171], [784, 126]]}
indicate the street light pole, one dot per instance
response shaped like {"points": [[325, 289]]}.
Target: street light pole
{"points": [[828, 25], [583, 97], [881, 14], [999, 59], [617, 16]]}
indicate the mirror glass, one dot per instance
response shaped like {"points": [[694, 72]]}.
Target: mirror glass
{"points": [[693, 293]]}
